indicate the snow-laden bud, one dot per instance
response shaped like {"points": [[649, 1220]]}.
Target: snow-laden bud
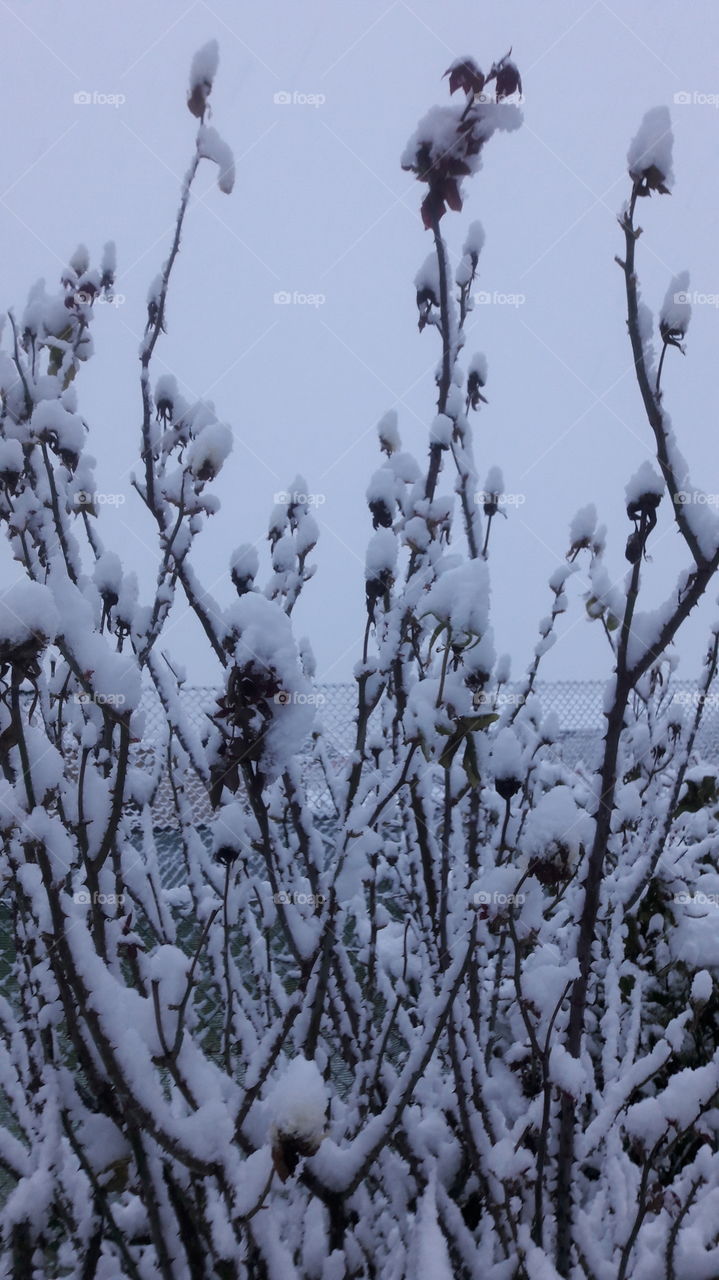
{"points": [[11, 463], [388, 433], [493, 491], [165, 396], [381, 497], [426, 282], [27, 612], [506, 763], [244, 564], [582, 530], [460, 599], [80, 260], [229, 834], [203, 70], [676, 311], [298, 1106], [108, 265], [474, 242], [644, 493], [107, 576], [649, 157], [441, 431], [209, 450], [476, 380], [379, 565], [154, 297], [556, 831]]}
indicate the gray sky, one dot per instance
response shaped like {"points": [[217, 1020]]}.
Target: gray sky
{"points": [[322, 207]]}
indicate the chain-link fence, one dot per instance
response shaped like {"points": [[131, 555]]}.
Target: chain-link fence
{"points": [[577, 706]]}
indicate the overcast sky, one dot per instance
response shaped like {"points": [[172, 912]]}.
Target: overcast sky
{"points": [[321, 207]]}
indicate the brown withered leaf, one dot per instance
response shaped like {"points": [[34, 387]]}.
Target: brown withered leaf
{"points": [[465, 74]]}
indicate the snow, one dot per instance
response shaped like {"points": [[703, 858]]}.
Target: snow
{"points": [[646, 479], [27, 612], [702, 987], [441, 430], [652, 147], [213, 147], [677, 1106], [506, 755], [208, 450], [557, 819], [478, 367], [429, 1256], [676, 309], [460, 597], [581, 529], [494, 484], [298, 1102], [474, 240], [245, 563], [51, 418], [107, 573], [388, 432], [567, 1072], [11, 458], [205, 62], [381, 553], [426, 281]]}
